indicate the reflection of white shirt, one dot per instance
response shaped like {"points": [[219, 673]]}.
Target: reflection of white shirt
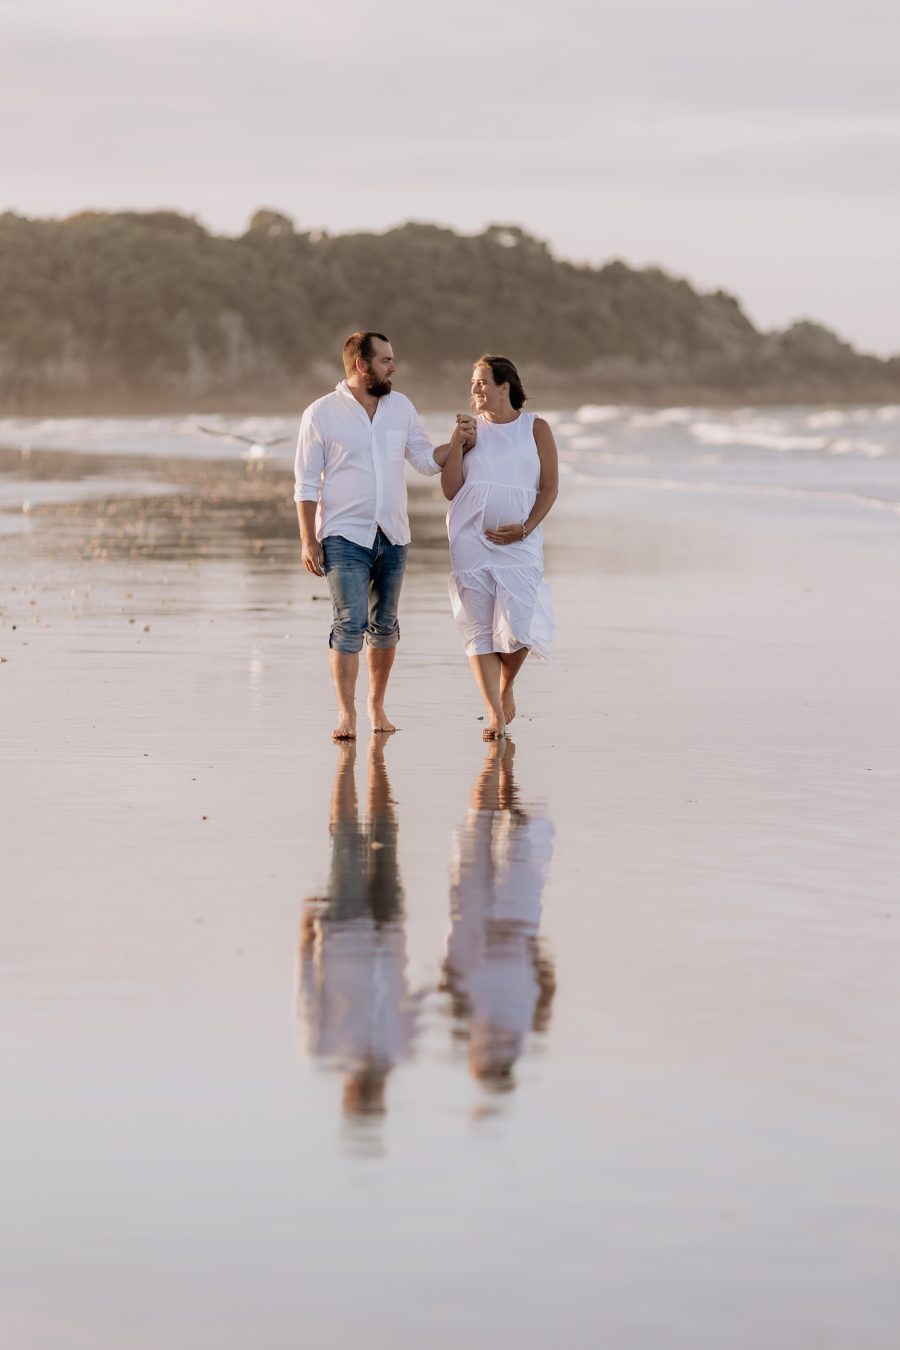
{"points": [[354, 467], [353, 994]]}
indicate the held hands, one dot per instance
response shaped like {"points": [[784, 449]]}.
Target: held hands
{"points": [[507, 534], [466, 429], [313, 557]]}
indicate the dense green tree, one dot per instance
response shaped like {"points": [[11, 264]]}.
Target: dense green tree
{"points": [[150, 309]]}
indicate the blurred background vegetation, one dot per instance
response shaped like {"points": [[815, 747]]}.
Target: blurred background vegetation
{"points": [[149, 312]]}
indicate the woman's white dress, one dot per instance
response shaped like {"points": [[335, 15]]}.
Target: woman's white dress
{"points": [[500, 599]]}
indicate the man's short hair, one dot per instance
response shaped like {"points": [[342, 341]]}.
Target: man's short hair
{"points": [[360, 345]]}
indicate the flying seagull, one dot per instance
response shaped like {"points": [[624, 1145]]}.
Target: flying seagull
{"points": [[258, 450]]}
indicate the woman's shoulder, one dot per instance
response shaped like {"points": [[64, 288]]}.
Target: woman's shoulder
{"points": [[541, 430]]}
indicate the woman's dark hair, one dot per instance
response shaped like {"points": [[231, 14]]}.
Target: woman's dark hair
{"points": [[504, 372]]}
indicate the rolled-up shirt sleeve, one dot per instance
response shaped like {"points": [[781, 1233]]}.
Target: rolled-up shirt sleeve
{"points": [[310, 460], [419, 447]]}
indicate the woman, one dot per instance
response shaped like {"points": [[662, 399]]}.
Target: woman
{"points": [[499, 977], [500, 489]]}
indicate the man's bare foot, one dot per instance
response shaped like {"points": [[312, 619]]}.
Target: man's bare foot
{"points": [[508, 703], [346, 728], [380, 720], [311, 907]]}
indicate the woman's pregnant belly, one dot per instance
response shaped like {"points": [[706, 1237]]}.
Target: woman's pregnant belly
{"points": [[506, 505]]}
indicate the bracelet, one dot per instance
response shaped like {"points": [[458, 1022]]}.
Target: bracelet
{"points": [[523, 529]]}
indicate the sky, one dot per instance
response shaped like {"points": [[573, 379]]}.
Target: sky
{"points": [[753, 147]]}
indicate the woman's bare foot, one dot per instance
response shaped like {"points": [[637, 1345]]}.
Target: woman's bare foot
{"points": [[311, 907], [508, 702], [379, 719], [495, 730], [346, 728]]}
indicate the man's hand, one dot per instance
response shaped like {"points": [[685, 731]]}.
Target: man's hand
{"points": [[313, 557], [468, 429]]}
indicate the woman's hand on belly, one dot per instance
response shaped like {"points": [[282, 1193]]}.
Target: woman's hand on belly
{"points": [[506, 534]]}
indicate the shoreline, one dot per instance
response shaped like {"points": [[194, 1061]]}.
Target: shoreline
{"points": [[431, 403]]}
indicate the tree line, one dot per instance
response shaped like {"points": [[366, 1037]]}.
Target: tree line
{"points": [[150, 310]]}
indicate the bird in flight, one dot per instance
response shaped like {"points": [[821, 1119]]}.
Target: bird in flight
{"points": [[258, 451]]}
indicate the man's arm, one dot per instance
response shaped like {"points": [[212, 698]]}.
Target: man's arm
{"points": [[419, 450], [311, 553], [309, 465]]}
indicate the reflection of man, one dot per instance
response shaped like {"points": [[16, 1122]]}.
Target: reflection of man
{"points": [[353, 993], [351, 503], [501, 982]]}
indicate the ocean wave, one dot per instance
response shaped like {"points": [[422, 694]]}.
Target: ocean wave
{"points": [[825, 496], [830, 417], [588, 442], [871, 449], [851, 417], [664, 417], [759, 437], [595, 413], [155, 436]]}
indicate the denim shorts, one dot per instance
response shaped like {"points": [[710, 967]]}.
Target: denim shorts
{"points": [[365, 591]]}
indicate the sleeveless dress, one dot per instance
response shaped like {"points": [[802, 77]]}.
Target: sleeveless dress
{"points": [[499, 597]]}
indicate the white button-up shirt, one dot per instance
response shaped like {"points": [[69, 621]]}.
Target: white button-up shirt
{"points": [[354, 467]]}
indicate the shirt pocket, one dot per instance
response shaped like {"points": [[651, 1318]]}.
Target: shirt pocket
{"points": [[395, 442]]}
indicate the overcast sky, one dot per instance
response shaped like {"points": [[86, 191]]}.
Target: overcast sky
{"points": [[749, 146]]}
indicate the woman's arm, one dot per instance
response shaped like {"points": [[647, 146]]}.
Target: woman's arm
{"points": [[548, 489], [463, 438]]}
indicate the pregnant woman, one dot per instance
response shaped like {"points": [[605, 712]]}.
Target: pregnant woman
{"points": [[500, 489]]}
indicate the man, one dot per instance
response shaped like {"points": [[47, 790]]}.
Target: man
{"points": [[353, 993], [351, 503]]}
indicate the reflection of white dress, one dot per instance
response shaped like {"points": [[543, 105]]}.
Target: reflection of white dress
{"points": [[500, 599], [497, 877]]}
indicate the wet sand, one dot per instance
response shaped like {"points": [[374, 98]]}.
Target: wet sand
{"points": [[604, 1047]]}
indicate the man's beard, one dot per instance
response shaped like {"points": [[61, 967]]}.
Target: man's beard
{"points": [[377, 388]]}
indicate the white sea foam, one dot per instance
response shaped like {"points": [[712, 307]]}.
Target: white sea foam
{"points": [[759, 437], [871, 449], [588, 442], [799, 448], [813, 495], [850, 417], [831, 417], [178, 436], [594, 413], [664, 417], [630, 457]]}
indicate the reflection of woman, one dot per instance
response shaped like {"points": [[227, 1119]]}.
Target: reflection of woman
{"points": [[501, 982], [353, 990], [499, 491]]}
